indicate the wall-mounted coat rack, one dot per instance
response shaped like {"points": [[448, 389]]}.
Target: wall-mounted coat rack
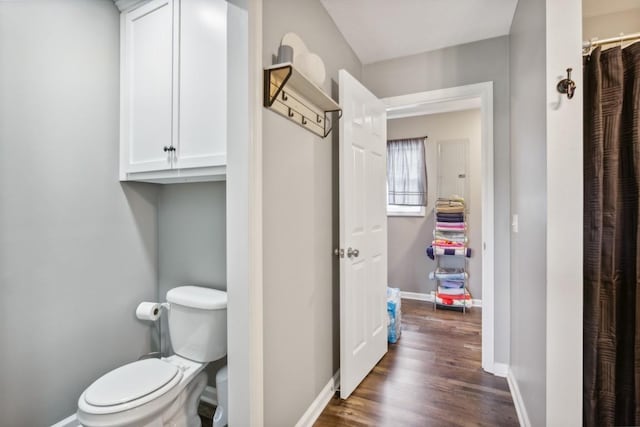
{"points": [[290, 93]]}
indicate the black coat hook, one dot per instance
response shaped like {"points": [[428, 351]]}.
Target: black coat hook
{"points": [[567, 85]]}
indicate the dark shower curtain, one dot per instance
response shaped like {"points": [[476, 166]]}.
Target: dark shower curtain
{"points": [[611, 391]]}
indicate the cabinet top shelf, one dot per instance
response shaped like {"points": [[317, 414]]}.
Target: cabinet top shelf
{"points": [[287, 74]]}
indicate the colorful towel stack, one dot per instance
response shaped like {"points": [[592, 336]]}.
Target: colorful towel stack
{"points": [[450, 238], [449, 235], [450, 281], [450, 215]]}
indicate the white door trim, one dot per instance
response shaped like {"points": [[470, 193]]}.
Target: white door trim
{"points": [[458, 98], [256, 324], [244, 237]]}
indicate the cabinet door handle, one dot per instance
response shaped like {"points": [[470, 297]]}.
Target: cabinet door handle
{"points": [[170, 148]]}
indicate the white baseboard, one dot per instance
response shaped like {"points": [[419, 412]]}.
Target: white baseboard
{"points": [[416, 296], [209, 395], [317, 406], [521, 410], [70, 421], [500, 370], [429, 297]]}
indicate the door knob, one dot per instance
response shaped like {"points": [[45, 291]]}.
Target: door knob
{"points": [[353, 253]]}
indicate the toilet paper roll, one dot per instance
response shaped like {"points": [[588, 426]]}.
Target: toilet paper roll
{"points": [[285, 54], [148, 311]]}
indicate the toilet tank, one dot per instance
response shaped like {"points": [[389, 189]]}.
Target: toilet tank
{"points": [[198, 322]]}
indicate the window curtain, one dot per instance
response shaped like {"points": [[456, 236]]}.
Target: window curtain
{"points": [[406, 172], [611, 389]]}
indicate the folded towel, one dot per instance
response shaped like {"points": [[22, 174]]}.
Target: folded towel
{"points": [[452, 198], [451, 284], [459, 218], [449, 215], [450, 202], [449, 209], [453, 235], [460, 226], [432, 252], [449, 274], [449, 277], [449, 270], [454, 300], [442, 243], [450, 291]]}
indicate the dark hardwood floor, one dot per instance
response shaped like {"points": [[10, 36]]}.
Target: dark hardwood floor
{"points": [[206, 412], [431, 377]]}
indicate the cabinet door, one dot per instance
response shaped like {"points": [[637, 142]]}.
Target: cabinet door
{"points": [[147, 76], [203, 84]]}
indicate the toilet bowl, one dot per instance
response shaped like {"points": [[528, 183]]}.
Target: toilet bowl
{"points": [[164, 392], [150, 392]]}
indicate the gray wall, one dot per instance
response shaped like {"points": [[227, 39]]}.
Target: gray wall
{"points": [[408, 237], [301, 341], [528, 200], [192, 236], [486, 60], [192, 242], [77, 248]]}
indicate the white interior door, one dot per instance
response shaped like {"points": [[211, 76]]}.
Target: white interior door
{"points": [[363, 232], [453, 168]]}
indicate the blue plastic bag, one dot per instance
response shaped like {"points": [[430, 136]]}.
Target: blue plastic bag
{"points": [[394, 312]]}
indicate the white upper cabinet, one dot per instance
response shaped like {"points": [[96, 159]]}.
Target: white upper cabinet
{"points": [[174, 91], [203, 88], [148, 98]]}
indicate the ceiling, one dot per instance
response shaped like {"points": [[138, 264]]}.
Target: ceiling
{"points": [[382, 29], [601, 7]]}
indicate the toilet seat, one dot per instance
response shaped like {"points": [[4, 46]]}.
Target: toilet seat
{"points": [[130, 382], [130, 386]]}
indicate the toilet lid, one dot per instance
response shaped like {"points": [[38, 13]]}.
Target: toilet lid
{"points": [[130, 382]]}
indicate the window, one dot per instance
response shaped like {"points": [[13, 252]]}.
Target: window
{"points": [[400, 210], [406, 177]]}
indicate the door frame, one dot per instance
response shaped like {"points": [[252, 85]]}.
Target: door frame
{"points": [[479, 95], [245, 338]]}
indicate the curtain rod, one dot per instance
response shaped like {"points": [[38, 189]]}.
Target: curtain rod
{"points": [[415, 137], [593, 43]]}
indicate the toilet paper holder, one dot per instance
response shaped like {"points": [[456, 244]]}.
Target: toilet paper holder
{"points": [[150, 311]]}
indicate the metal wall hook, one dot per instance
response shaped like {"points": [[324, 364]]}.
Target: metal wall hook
{"points": [[567, 85], [290, 112], [304, 120], [284, 96]]}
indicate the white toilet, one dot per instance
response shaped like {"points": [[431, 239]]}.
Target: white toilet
{"points": [[164, 392]]}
